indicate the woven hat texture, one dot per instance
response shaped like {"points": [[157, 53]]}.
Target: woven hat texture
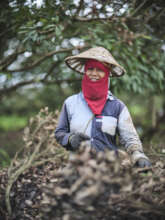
{"points": [[77, 62]]}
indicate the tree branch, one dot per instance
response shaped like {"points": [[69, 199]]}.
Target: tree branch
{"points": [[85, 19], [152, 131], [61, 81], [6, 91], [161, 13], [79, 7], [9, 59], [138, 8], [44, 57], [50, 71]]}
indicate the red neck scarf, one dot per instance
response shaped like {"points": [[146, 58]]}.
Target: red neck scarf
{"points": [[95, 93]]}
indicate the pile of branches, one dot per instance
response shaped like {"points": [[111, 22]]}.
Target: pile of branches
{"points": [[20, 184], [46, 183], [96, 186]]}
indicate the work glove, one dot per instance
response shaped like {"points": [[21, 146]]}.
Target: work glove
{"points": [[143, 163], [76, 139]]}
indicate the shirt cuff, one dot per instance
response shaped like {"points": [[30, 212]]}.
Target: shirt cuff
{"points": [[65, 141]]}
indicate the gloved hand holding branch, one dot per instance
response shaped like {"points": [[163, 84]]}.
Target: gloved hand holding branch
{"points": [[76, 139]]}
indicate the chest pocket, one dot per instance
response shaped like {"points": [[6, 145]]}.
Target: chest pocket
{"points": [[109, 124]]}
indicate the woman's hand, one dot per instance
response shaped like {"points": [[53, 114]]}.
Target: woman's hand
{"points": [[143, 163], [76, 139]]}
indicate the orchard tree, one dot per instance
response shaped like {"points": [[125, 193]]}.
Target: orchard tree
{"points": [[35, 39]]}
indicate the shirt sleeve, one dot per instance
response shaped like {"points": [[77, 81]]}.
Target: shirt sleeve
{"points": [[128, 136], [62, 131]]}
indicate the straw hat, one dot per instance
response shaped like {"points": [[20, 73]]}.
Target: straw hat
{"points": [[77, 62]]}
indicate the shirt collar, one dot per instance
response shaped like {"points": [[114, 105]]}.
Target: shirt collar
{"points": [[109, 96]]}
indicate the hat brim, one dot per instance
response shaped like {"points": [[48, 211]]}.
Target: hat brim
{"points": [[78, 63]]}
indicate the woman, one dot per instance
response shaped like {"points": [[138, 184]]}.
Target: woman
{"points": [[95, 114]]}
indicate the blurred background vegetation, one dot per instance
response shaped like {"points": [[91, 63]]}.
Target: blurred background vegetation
{"points": [[36, 36]]}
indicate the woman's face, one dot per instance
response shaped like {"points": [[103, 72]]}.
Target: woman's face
{"points": [[95, 74]]}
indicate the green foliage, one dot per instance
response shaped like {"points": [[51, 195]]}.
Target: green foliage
{"points": [[46, 30], [13, 122]]}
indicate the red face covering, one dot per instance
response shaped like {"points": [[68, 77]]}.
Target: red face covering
{"points": [[95, 93]]}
